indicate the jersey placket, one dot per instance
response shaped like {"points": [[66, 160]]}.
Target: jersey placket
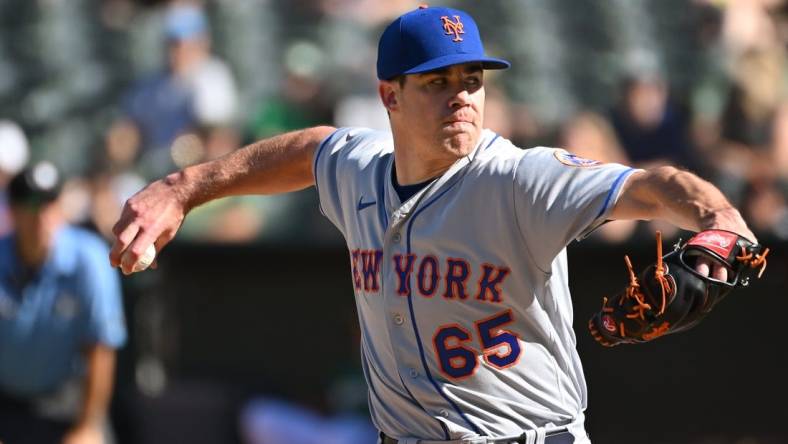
{"points": [[406, 340], [404, 344]]}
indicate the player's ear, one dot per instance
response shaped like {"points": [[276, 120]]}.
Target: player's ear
{"points": [[388, 94]]}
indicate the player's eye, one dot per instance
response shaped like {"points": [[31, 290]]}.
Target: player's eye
{"points": [[473, 81], [437, 81]]}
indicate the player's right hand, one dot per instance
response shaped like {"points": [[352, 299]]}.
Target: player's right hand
{"points": [[152, 216]]}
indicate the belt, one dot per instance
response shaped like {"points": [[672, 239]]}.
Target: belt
{"points": [[560, 436]]}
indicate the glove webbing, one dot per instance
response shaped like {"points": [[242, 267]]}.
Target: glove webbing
{"points": [[634, 293]]}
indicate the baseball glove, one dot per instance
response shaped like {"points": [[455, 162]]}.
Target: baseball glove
{"points": [[670, 295]]}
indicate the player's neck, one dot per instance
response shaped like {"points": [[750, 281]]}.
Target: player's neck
{"points": [[413, 168], [418, 161]]}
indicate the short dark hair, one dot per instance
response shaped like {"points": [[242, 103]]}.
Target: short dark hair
{"points": [[399, 79], [37, 185]]}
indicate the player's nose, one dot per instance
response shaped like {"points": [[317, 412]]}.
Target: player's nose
{"points": [[460, 98]]}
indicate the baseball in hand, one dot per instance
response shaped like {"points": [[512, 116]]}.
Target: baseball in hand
{"points": [[144, 260]]}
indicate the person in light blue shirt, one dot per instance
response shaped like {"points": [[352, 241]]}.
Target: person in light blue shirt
{"points": [[61, 320]]}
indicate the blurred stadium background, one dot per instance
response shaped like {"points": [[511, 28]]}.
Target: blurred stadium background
{"points": [[247, 329]]}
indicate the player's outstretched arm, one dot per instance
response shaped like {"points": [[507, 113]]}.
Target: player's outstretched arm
{"points": [[677, 291], [153, 215], [683, 199], [680, 198]]}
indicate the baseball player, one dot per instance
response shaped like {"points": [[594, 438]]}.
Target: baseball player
{"points": [[456, 240]]}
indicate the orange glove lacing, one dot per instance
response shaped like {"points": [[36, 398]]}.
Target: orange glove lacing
{"points": [[757, 260], [667, 287], [634, 292]]}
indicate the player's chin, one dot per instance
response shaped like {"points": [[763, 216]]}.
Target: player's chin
{"points": [[460, 139]]}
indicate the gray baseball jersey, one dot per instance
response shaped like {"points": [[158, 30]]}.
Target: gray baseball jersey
{"points": [[462, 290]]}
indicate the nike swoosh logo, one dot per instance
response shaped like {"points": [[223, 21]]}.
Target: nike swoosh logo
{"points": [[362, 204]]}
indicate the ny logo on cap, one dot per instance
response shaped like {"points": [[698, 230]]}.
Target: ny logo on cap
{"points": [[453, 27]]}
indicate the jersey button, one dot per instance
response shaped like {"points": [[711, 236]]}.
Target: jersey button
{"points": [[444, 413], [396, 238], [413, 373], [398, 319]]}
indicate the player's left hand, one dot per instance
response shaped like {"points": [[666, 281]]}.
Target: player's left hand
{"points": [[727, 219], [84, 434], [714, 270], [671, 295]]}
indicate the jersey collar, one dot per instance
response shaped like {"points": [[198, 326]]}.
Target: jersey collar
{"points": [[400, 211]]}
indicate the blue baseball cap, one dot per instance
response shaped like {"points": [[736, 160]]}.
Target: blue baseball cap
{"points": [[427, 39], [184, 22]]}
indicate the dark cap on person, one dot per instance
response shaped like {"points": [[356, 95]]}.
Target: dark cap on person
{"points": [[430, 38], [36, 185]]}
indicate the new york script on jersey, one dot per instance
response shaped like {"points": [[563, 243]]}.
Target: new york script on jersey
{"points": [[449, 276]]}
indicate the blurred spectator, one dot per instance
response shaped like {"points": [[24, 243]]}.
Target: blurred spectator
{"points": [[759, 86], [14, 154], [747, 154], [108, 192], [748, 120], [497, 111], [527, 129], [269, 421], [61, 320], [114, 177], [237, 219], [195, 89], [301, 102], [590, 135], [273, 421], [747, 25], [361, 110], [652, 129], [232, 220], [766, 208], [766, 195], [368, 12], [780, 143]]}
